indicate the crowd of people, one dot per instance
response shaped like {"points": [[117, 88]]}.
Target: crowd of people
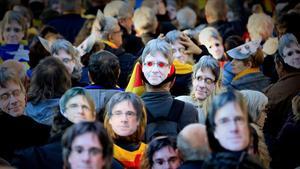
{"points": [[149, 84]]}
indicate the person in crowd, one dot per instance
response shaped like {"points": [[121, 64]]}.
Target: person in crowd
{"points": [[281, 93], [69, 22], [183, 53], [186, 18], [286, 146], [46, 87], [123, 12], [205, 80], [69, 55], [104, 71], [20, 70], [230, 43], [166, 115], [111, 35], [216, 16], [13, 30], [228, 131], [76, 106], [261, 27], [212, 40], [257, 102], [125, 120], [87, 145], [17, 130], [36, 50], [161, 154], [145, 24], [192, 146], [247, 59]]}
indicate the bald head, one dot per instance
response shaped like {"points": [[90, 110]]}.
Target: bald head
{"points": [[192, 142], [194, 134]]}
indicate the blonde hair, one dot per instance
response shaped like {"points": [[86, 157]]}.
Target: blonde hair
{"points": [[260, 25], [144, 19]]}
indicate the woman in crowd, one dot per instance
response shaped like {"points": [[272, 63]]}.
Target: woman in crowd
{"points": [[87, 145], [125, 121]]}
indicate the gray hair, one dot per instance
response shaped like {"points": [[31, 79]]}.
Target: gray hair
{"points": [[186, 18], [158, 45], [285, 41], [256, 102], [107, 24], [190, 153], [118, 9], [173, 36], [207, 62]]}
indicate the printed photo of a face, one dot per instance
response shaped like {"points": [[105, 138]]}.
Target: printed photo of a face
{"points": [[12, 99], [291, 55], [156, 68], [232, 130]]}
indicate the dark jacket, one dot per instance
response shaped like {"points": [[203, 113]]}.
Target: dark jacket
{"points": [[227, 29], [159, 104], [231, 160], [191, 165], [280, 96], [48, 156], [20, 132]]}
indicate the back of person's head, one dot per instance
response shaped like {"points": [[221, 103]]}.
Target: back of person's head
{"points": [[77, 130], [118, 9], [155, 145], [186, 18], [192, 142], [256, 102], [50, 79], [215, 10], [104, 69], [144, 20], [260, 26]]}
